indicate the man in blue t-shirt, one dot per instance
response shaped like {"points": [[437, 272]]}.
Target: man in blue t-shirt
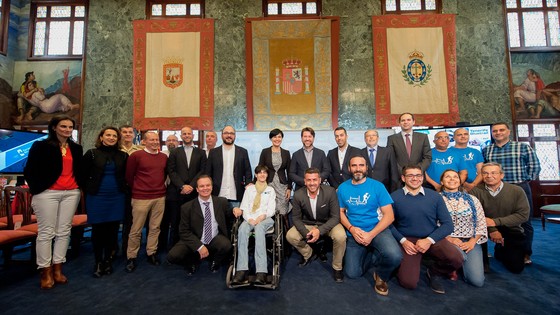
{"points": [[444, 158], [366, 212], [472, 158]]}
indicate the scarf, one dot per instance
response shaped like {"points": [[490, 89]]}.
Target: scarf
{"points": [[257, 202], [457, 195]]}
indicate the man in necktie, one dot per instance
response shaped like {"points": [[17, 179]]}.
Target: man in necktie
{"points": [[410, 148], [202, 231], [381, 162]]}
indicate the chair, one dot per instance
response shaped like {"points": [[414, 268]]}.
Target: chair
{"points": [[22, 230]]}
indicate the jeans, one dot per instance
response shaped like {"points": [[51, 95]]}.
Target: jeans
{"points": [[473, 268], [54, 210], [386, 256], [260, 245]]}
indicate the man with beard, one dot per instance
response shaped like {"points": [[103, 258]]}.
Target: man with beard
{"points": [[306, 157], [366, 212], [230, 169]]}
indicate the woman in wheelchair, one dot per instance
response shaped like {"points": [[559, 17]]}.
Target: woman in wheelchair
{"points": [[258, 208]]}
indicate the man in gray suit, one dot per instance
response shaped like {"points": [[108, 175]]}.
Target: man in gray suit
{"points": [[307, 157], [339, 158], [316, 212], [381, 162], [410, 148], [184, 165]]}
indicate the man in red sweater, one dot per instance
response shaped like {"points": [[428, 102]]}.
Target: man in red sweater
{"points": [[145, 174]]}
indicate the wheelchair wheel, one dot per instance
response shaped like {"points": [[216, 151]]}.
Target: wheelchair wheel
{"points": [[229, 276]]}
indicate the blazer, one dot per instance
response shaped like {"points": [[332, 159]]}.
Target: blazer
{"points": [[242, 172], [93, 168], [338, 176], [266, 159], [192, 221], [180, 173], [299, 165], [44, 165], [327, 210], [385, 169], [421, 153]]}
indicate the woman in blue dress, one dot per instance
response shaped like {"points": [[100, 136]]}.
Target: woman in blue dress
{"points": [[105, 186]]}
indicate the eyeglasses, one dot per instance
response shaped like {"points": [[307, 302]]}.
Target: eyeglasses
{"points": [[411, 176], [228, 133]]}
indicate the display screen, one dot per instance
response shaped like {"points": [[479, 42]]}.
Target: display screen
{"points": [[14, 149], [480, 135]]}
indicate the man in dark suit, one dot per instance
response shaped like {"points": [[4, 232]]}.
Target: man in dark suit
{"points": [[316, 212], [203, 231], [381, 162], [184, 165], [235, 161], [339, 157], [410, 148], [307, 157]]}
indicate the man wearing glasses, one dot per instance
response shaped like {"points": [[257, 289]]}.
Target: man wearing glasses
{"points": [[421, 224], [444, 158], [506, 208]]}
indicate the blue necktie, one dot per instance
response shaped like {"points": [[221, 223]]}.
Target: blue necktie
{"points": [[372, 157], [207, 238]]}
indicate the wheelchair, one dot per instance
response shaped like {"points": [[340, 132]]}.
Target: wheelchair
{"points": [[274, 250]]}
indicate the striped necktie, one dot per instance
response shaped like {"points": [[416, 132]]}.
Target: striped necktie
{"points": [[207, 238]]}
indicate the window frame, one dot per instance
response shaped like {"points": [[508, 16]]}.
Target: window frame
{"points": [[150, 3], [4, 26], [32, 26], [519, 10], [438, 10], [265, 3]]}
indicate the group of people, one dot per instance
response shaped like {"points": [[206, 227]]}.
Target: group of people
{"points": [[382, 206]]}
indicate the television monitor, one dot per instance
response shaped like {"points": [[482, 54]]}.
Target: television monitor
{"points": [[14, 149], [480, 135]]}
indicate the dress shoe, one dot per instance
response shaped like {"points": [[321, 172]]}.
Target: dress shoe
{"points": [[261, 278], [527, 260], [338, 275], [190, 269], [98, 270], [304, 262], [47, 281], [453, 276], [58, 276], [381, 286], [214, 266], [240, 277], [434, 283], [108, 267], [130, 265], [153, 260]]}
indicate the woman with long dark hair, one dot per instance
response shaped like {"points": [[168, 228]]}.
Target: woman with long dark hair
{"points": [[52, 173], [104, 184]]}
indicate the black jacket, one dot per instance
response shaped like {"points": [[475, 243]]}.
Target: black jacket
{"points": [[93, 168]]}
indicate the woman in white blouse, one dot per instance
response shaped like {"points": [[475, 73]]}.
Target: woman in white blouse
{"points": [[258, 207], [470, 226]]}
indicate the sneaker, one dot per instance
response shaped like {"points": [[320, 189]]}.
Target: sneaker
{"points": [[240, 277], [434, 283], [130, 265], [338, 276]]}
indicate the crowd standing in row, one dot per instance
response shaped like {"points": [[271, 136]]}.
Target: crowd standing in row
{"points": [[382, 207]]}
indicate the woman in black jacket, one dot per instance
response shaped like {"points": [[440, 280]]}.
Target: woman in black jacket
{"points": [[104, 184], [52, 173]]}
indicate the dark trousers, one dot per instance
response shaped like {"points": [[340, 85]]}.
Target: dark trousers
{"points": [[169, 229], [512, 253], [219, 248], [126, 224], [104, 236], [447, 260], [528, 226]]}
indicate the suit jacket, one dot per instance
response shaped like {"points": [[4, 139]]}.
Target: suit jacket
{"points": [[192, 221], [242, 172], [421, 153], [299, 165], [327, 210], [385, 169], [266, 159], [338, 176], [181, 173]]}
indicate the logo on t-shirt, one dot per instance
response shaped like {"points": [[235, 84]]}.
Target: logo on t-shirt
{"points": [[447, 161], [468, 157], [360, 200]]}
